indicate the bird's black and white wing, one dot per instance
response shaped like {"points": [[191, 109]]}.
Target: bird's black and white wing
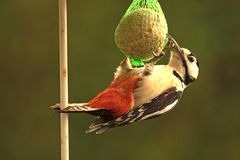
{"points": [[159, 105]]}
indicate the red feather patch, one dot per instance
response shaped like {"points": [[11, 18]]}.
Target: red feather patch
{"points": [[118, 97]]}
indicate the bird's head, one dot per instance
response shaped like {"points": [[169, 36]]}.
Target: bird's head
{"points": [[184, 63]]}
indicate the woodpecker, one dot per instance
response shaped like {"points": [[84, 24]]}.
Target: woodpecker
{"points": [[138, 94]]}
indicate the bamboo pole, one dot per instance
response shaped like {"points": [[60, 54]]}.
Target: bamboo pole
{"points": [[63, 78]]}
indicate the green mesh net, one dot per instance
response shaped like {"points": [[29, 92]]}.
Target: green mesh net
{"points": [[135, 62], [150, 4], [142, 31]]}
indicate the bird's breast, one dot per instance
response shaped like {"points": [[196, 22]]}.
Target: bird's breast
{"points": [[151, 86]]}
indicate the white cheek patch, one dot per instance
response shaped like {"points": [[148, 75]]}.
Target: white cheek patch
{"points": [[193, 70]]}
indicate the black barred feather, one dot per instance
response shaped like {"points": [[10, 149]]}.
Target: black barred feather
{"points": [[82, 108]]}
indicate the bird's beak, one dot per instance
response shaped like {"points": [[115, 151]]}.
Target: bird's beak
{"points": [[173, 45]]}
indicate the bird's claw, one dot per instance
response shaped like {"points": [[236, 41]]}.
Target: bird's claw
{"points": [[126, 64], [157, 57]]}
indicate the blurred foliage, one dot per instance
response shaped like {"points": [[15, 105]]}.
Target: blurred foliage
{"points": [[205, 125]]}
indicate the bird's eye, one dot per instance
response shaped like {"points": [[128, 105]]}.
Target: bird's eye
{"points": [[191, 58]]}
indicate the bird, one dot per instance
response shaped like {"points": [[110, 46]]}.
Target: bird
{"points": [[137, 94]]}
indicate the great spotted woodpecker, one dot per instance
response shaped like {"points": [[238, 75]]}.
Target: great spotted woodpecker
{"points": [[138, 94]]}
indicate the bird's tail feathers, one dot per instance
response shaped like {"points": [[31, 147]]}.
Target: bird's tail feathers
{"points": [[74, 107], [99, 126]]}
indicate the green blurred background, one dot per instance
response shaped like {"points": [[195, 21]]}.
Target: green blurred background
{"points": [[205, 125]]}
